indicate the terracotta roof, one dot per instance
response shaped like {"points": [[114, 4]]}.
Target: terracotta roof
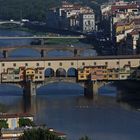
{"points": [[5, 115], [129, 6], [135, 31]]}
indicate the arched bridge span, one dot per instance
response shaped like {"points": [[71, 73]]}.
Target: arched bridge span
{"points": [[44, 49]]}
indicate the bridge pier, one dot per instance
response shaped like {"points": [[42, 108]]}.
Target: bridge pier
{"points": [[42, 52], [29, 88], [76, 52], [92, 87], [5, 53], [42, 41]]}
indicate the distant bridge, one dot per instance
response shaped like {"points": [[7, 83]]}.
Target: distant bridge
{"points": [[44, 49], [11, 22], [42, 37]]}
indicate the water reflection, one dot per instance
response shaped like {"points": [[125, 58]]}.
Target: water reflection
{"points": [[64, 108]]}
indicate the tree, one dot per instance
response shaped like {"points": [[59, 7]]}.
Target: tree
{"points": [[84, 138], [3, 124], [25, 122], [31, 9], [39, 134]]}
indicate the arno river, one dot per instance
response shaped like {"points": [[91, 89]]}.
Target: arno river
{"points": [[64, 107]]}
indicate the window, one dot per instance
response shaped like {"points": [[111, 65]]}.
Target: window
{"points": [[40, 77], [87, 71], [83, 63], [129, 62], [94, 63], [82, 76], [49, 64], [26, 64], [16, 77], [118, 62], [14, 64], [106, 63], [60, 64], [72, 63], [3, 64], [36, 77], [37, 64], [40, 72]]}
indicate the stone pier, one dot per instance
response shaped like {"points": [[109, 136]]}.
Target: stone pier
{"points": [[42, 52], [5, 53], [92, 87], [29, 88]]}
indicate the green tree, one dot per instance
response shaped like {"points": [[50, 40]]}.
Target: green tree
{"points": [[84, 138], [3, 124], [25, 122], [39, 134], [31, 9]]}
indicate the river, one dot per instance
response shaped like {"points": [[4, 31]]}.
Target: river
{"points": [[62, 106]]}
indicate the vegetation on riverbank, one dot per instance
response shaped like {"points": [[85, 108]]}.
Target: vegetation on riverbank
{"points": [[39, 134], [30, 9], [62, 41]]}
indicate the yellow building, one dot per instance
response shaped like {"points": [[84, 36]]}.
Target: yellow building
{"points": [[92, 73]]}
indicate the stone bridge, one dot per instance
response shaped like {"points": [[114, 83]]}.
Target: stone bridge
{"points": [[11, 22], [44, 49], [61, 66]]}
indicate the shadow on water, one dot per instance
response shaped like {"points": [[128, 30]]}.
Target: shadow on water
{"points": [[60, 90], [63, 107]]}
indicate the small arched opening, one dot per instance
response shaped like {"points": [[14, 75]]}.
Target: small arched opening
{"points": [[60, 72], [49, 72], [72, 72]]}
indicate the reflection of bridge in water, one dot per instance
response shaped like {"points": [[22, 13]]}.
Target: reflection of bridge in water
{"points": [[59, 71]]}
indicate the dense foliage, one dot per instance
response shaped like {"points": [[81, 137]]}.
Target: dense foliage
{"points": [[39, 134], [3, 124], [25, 122], [29, 9], [84, 138], [36, 9]]}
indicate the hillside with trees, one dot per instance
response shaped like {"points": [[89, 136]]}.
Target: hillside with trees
{"points": [[29, 9]]}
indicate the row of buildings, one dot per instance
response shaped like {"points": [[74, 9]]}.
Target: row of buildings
{"points": [[72, 17], [96, 72], [102, 72], [14, 130], [23, 74], [124, 21]]}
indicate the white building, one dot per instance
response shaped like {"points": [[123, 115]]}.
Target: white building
{"points": [[87, 22]]}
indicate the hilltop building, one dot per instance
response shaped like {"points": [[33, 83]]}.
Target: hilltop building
{"points": [[72, 17], [124, 21]]}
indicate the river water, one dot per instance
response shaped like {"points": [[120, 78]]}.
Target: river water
{"points": [[62, 106]]}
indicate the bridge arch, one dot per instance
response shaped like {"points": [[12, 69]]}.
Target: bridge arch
{"points": [[10, 88], [72, 72], [88, 52], [49, 72], [24, 52], [66, 86], [61, 72], [59, 52], [11, 22]]}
